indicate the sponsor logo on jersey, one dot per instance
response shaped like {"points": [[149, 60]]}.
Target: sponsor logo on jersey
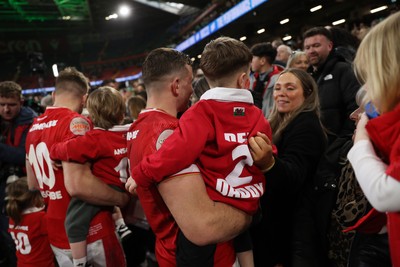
{"points": [[44, 125], [239, 111], [79, 126], [41, 118]]}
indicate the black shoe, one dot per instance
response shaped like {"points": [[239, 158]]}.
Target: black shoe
{"points": [[86, 265], [123, 231]]}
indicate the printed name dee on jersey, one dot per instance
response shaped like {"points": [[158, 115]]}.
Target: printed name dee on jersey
{"points": [[250, 191], [236, 138], [44, 125], [79, 126], [132, 135], [51, 195], [120, 151]]}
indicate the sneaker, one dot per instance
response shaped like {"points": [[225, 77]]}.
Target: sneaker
{"points": [[123, 231]]}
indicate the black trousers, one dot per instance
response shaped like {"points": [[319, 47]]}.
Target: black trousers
{"points": [[370, 250]]}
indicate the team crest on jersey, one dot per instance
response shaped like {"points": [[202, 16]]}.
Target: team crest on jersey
{"points": [[238, 111], [79, 126]]}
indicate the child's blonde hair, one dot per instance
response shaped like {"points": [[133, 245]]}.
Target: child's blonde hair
{"points": [[106, 107], [377, 63], [20, 198]]}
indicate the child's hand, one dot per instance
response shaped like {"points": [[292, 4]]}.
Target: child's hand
{"points": [[361, 133], [56, 165], [130, 185], [261, 151]]}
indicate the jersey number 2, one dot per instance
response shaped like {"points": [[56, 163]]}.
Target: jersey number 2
{"points": [[233, 177]]}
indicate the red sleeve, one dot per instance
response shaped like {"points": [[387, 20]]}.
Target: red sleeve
{"points": [[79, 149], [393, 169], [180, 150]]}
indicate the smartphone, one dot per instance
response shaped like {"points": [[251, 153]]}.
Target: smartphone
{"points": [[371, 111]]}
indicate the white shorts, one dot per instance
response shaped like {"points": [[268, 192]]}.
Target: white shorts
{"points": [[63, 256], [95, 255]]}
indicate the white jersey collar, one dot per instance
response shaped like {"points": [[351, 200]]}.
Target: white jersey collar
{"points": [[33, 209], [116, 128], [228, 95]]}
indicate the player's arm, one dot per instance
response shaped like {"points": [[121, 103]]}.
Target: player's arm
{"points": [[81, 183], [78, 149], [193, 131], [31, 177], [201, 220]]}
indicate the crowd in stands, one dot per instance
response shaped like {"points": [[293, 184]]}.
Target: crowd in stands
{"points": [[266, 155], [115, 58]]}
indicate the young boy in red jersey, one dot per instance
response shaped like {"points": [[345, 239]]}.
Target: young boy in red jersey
{"points": [[105, 148], [213, 134]]}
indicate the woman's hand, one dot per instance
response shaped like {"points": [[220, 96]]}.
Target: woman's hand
{"points": [[261, 151]]}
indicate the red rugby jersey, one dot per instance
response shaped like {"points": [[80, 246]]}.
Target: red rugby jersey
{"points": [[56, 125], [105, 149], [145, 137], [213, 134], [31, 239]]}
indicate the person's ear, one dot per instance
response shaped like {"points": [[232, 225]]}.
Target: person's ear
{"points": [[84, 98], [53, 96], [175, 87], [330, 46], [242, 80]]}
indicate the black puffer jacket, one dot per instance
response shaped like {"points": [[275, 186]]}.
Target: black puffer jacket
{"points": [[337, 87]]}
